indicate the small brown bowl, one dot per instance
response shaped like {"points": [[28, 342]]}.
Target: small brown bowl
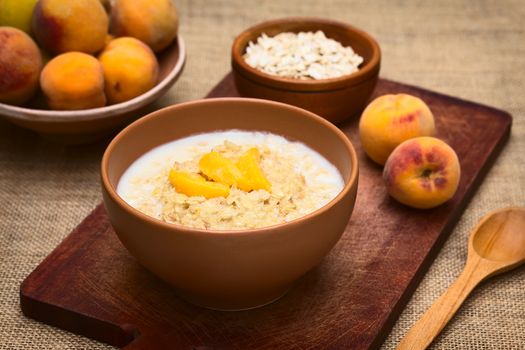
{"points": [[229, 269], [81, 126], [334, 99]]}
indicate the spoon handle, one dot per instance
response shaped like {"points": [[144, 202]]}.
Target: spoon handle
{"points": [[437, 316]]}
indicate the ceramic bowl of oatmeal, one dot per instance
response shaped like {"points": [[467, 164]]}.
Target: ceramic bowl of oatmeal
{"points": [[327, 67], [230, 200]]}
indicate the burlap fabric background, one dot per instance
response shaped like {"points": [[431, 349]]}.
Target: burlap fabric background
{"points": [[471, 49]]}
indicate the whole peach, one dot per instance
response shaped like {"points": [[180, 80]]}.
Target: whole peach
{"points": [[391, 119], [20, 65], [61, 26], [155, 22], [130, 69], [17, 13], [73, 80], [422, 172]]}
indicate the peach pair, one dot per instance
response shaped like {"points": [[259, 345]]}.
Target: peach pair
{"points": [[75, 80], [420, 170]]}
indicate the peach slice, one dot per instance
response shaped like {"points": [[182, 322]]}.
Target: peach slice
{"points": [[221, 169], [422, 172], [196, 185], [249, 166]]}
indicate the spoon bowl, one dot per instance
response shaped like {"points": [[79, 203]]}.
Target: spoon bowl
{"points": [[496, 245], [501, 236]]}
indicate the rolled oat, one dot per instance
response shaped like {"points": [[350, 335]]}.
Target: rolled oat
{"points": [[303, 55], [301, 182]]}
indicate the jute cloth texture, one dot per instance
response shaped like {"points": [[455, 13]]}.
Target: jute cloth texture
{"points": [[471, 49]]}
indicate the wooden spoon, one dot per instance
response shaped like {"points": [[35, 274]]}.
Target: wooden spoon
{"points": [[496, 245]]}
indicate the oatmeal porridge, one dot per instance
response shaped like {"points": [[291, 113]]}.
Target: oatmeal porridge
{"points": [[230, 180]]}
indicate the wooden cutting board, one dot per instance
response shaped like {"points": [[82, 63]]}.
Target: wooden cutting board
{"points": [[90, 285]]}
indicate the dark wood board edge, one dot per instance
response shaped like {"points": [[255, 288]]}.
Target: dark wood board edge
{"points": [[57, 316], [506, 116], [75, 322]]}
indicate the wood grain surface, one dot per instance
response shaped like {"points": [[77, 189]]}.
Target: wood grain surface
{"points": [[90, 285]]}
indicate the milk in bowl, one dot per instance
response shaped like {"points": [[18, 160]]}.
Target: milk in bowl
{"points": [[228, 180]]}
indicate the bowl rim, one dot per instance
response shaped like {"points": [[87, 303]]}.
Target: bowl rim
{"points": [[24, 113], [368, 71], [111, 191]]}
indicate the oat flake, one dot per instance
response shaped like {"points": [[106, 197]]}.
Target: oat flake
{"points": [[303, 55]]}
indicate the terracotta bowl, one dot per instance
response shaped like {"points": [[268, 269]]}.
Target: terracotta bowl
{"points": [[237, 269], [334, 99], [87, 125]]}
